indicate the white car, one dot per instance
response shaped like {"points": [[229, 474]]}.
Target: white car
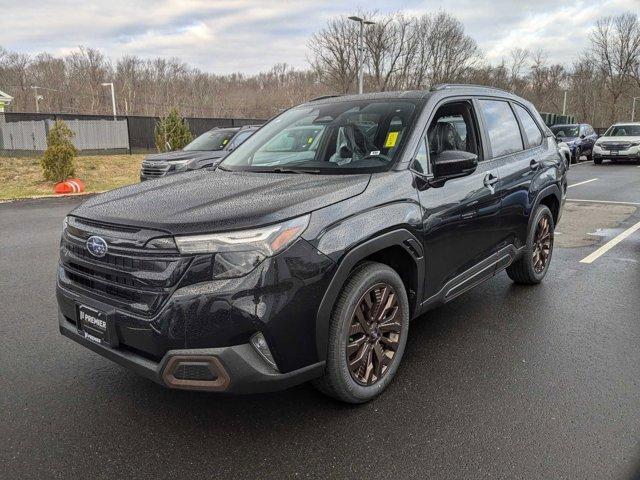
{"points": [[621, 141]]}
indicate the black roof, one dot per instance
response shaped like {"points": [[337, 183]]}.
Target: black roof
{"points": [[464, 89]]}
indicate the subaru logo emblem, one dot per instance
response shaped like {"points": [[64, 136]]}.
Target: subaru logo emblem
{"points": [[97, 246]]}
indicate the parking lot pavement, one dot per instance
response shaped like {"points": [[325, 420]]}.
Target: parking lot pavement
{"points": [[504, 382], [611, 182]]}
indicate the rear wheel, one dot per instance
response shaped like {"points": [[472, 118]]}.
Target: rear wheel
{"points": [[534, 263], [367, 334]]}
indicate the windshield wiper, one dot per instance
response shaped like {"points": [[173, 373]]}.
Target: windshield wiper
{"points": [[292, 170]]}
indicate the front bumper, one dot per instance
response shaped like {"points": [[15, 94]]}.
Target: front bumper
{"points": [[233, 369], [620, 156]]}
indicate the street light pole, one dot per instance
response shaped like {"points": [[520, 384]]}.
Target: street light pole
{"points": [[113, 97], [360, 60], [564, 104], [633, 109]]}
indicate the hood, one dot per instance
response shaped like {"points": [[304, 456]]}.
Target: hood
{"points": [[568, 139], [215, 200], [185, 155], [628, 139]]}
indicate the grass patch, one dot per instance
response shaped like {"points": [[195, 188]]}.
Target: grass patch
{"points": [[22, 177]]}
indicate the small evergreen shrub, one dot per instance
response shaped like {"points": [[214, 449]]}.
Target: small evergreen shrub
{"points": [[172, 132], [58, 161]]}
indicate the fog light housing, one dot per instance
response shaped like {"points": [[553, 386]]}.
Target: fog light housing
{"points": [[260, 344]]}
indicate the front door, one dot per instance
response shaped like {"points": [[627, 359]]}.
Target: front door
{"points": [[460, 223]]}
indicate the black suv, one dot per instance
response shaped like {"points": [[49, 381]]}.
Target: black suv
{"points": [[205, 151], [306, 253]]}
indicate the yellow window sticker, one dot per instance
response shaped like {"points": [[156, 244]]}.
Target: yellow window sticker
{"points": [[310, 139], [225, 141], [392, 138]]}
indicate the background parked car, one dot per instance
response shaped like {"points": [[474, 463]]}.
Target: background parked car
{"points": [[620, 142], [579, 137], [207, 150]]}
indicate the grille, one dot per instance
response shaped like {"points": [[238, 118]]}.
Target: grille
{"points": [[135, 279], [616, 145], [155, 169], [194, 371]]}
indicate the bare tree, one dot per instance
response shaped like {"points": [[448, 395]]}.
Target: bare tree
{"points": [[615, 46], [334, 54]]}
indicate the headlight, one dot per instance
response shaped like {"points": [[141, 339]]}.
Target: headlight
{"points": [[634, 144], [181, 165], [237, 253], [65, 223]]}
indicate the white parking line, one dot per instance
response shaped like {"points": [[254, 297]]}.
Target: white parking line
{"points": [[602, 201], [582, 183], [610, 244]]}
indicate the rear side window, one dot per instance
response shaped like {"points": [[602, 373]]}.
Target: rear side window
{"points": [[504, 133], [531, 130]]}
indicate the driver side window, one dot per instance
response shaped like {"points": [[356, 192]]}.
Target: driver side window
{"points": [[453, 128]]}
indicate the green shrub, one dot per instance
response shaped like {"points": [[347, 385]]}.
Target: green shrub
{"points": [[172, 132], [58, 161]]}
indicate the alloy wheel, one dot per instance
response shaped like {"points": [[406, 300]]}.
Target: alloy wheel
{"points": [[374, 334], [542, 245]]}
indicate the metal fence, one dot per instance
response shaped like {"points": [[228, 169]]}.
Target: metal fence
{"points": [[26, 133]]}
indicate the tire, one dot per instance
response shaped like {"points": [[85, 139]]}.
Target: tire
{"points": [[597, 161], [526, 269], [577, 155], [338, 380]]}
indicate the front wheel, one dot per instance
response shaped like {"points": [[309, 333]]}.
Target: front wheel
{"points": [[534, 263], [367, 334], [597, 161]]}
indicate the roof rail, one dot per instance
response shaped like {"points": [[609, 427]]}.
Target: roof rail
{"points": [[322, 97], [442, 86]]}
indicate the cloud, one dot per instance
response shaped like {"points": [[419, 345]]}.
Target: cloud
{"points": [[225, 36]]}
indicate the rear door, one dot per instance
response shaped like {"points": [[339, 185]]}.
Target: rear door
{"points": [[515, 142]]}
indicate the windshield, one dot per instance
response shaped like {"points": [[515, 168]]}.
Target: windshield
{"points": [[340, 137], [211, 141], [565, 130], [623, 131]]}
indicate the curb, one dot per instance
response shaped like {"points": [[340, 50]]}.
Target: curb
{"points": [[59, 195]]}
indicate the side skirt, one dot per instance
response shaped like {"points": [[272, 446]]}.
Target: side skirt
{"points": [[473, 277]]}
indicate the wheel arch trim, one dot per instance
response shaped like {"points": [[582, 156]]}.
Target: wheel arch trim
{"points": [[551, 190], [395, 238]]}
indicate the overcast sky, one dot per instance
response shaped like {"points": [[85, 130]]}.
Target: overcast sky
{"points": [[223, 36]]}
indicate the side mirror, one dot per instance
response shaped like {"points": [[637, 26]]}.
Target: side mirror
{"points": [[454, 163]]}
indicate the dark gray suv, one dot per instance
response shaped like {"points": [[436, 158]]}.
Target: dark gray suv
{"points": [[207, 150]]}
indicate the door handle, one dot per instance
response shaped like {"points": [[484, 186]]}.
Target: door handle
{"points": [[489, 181], [534, 164]]}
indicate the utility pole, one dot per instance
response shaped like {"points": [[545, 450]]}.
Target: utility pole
{"points": [[633, 109], [113, 98], [37, 97], [360, 60], [564, 104]]}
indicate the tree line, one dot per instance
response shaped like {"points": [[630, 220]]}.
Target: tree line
{"points": [[401, 52]]}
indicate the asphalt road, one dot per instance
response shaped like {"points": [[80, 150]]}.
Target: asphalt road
{"points": [[504, 382]]}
